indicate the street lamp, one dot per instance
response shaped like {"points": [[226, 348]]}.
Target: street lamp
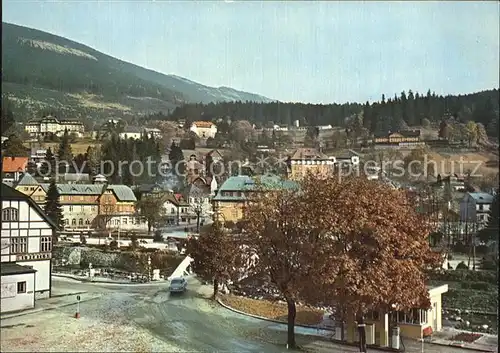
{"points": [[149, 268], [198, 209]]}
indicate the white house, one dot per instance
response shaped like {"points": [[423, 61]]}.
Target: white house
{"points": [[204, 129], [51, 125], [474, 207], [131, 132], [26, 251]]}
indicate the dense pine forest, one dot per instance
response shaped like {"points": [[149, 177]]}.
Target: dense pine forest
{"points": [[390, 113]]}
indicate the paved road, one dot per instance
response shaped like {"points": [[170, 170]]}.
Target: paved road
{"points": [[148, 318]]}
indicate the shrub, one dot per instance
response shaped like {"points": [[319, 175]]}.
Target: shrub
{"points": [[464, 276], [113, 245], [489, 264], [476, 285], [462, 266], [157, 238]]}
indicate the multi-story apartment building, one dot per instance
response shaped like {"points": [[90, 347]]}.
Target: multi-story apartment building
{"points": [[309, 160], [204, 129], [32, 188], [231, 199], [26, 251], [403, 137], [475, 207], [50, 125], [117, 209], [89, 206]]}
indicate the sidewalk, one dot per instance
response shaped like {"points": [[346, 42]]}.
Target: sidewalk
{"points": [[56, 302]]}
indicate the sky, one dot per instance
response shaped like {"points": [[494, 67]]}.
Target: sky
{"points": [[295, 51]]}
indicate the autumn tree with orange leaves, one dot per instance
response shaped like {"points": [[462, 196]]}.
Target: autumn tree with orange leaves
{"points": [[289, 245], [350, 243], [214, 254]]}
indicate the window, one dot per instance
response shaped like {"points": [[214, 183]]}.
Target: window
{"points": [[19, 245], [80, 222], [372, 315], [73, 222], [45, 244], [10, 214], [414, 316], [234, 212], [124, 221], [21, 287], [82, 208], [70, 208], [87, 221]]}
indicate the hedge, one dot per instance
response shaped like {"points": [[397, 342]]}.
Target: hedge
{"points": [[477, 285], [464, 276]]}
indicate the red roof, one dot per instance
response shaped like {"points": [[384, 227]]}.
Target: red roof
{"points": [[14, 164], [203, 124]]}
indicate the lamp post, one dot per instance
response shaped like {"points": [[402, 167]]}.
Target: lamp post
{"points": [[198, 209], [149, 268]]}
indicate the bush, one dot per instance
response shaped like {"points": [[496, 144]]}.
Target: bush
{"points": [[476, 285], [157, 238], [113, 245], [462, 266], [464, 276], [460, 248], [229, 224], [489, 264]]}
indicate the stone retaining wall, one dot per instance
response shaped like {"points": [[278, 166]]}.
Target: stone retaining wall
{"points": [[131, 261]]}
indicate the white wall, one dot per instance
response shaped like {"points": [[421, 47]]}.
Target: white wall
{"points": [[87, 213], [42, 275], [14, 301]]}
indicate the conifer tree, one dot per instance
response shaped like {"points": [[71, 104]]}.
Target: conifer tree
{"points": [[64, 153], [53, 208]]}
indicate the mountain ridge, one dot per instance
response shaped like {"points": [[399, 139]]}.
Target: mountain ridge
{"points": [[101, 86]]}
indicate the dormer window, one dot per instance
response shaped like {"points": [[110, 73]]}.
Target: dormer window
{"points": [[10, 214]]}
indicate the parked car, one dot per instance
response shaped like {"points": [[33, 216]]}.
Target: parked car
{"points": [[178, 285]]}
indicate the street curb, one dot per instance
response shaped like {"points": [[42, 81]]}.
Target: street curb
{"points": [[34, 311], [385, 349], [68, 294]]}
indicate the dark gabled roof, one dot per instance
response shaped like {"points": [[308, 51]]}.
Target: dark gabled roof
{"points": [[197, 191], [11, 268], [12, 194]]}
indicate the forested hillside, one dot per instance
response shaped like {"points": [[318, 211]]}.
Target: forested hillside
{"points": [[398, 112], [44, 72]]}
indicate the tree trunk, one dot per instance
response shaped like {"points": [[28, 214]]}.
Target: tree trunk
{"points": [[292, 312], [149, 227], [216, 287]]}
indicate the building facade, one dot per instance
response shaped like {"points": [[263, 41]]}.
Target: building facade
{"points": [[13, 168], [50, 125], [474, 208], [26, 251], [204, 129], [403, 137], [309, 160], [231, 198]]}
